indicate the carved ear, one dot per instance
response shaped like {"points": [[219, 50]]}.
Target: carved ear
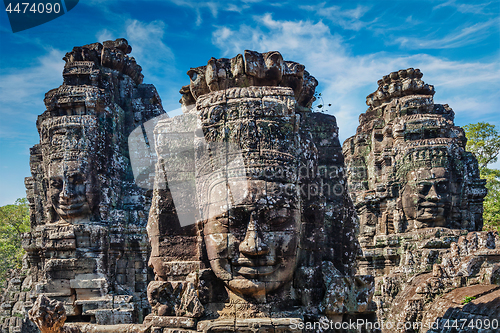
{"points": [[92, 195], [211, 75], [275, 66], [49, 211]]}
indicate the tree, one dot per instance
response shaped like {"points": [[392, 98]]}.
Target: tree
{"points": [[14, 220], [483, 140]]}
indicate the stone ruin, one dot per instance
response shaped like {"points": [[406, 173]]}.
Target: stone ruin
{"points": [[419, 200], [239, 206], [88, 247], [251, 228], [408, 168]]}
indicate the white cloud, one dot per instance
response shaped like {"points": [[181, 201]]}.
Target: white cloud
{"points": [[346, 79], [283, 36], [148, 47], [464, 36], [347, 18], [478, 8], [212, 6], [23, 89], [104, 35]]}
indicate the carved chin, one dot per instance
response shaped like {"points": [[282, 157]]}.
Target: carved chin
{"points": [[77, 209], [431, 215], [249, 287], [255, 281]]}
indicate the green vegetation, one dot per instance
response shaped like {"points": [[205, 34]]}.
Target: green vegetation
{"points": [[14, 220], [483, 140], [467, 299]]}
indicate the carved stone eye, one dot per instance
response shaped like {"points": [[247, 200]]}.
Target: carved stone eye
{"points": [[193, 75], [56, 183], [423, 188]]}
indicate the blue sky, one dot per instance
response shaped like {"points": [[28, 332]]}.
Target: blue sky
{"points": [[346, 45]]}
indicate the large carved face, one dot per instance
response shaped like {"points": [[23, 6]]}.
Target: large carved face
{"points": [[253, 246], [426, 197], [67, 189]]}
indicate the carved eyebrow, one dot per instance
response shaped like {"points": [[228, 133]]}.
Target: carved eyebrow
{"points": [[279, 212], [75, 174], [55, 179]]}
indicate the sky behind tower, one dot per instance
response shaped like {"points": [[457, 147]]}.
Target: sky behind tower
{"points": [[346, 45]]}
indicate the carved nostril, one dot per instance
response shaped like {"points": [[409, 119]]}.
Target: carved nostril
{"points": [[253, 244], [433, 195], [65, 190]]}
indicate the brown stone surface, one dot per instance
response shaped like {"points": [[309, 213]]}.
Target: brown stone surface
{"points": [[407, 166], [49, 316], [419, 199], [249, 204], [482, 314], [250, 225], [88, 246]]}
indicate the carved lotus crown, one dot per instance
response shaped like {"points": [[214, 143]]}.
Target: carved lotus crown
{"points": [[68, 137], [397, 84], [424, 157], [250, 70], [256, 126]]}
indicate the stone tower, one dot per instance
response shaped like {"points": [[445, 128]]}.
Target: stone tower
{"points": [[419, 199], [88, 246], [408, 168], [250, 225]]}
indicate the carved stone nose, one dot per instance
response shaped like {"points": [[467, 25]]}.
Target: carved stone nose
{"points": [[252, 244], [433, 195], [66, 191]]}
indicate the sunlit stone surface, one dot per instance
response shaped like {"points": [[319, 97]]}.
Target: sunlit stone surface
{"points": [[251, 227], [419, 199], [88, 247]]}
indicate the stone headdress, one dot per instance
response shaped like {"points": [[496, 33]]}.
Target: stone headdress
{"points": [[403, 131], [249, 118]]}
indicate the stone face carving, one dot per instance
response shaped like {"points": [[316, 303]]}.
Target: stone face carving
{"points": [[426, 199], [68, 142], [250, 223], [417, 193], [407, 165], [88, 246]]}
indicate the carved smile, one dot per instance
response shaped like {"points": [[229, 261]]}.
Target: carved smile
{"points": [[268, 261], [431, 205], [72, 207], [255, 271]]}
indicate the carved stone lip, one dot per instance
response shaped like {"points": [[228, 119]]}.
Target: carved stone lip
{"points": [[257, 262], [256, 270], [72, 206], [431, 205]]}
